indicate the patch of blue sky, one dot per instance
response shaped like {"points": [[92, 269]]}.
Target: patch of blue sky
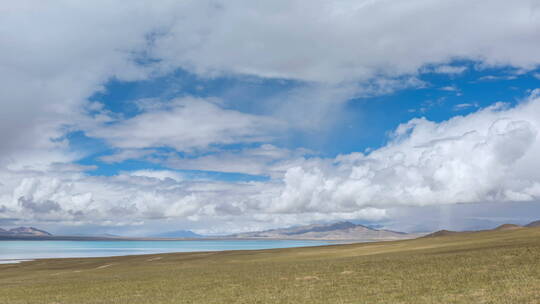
{"points": [[368, 121], [94, 149], [237, 92], [105, 169], [87, 147], [131, 165]]}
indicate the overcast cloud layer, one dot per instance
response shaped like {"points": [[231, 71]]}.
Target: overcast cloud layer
{"points": [[55, 55]]}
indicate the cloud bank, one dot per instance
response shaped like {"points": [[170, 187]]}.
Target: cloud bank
{"points": [[55, 56], [487, 156]]}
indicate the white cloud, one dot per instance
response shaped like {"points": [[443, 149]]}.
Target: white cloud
{"points": [[450, 89], [55, 55], [494, 78], [348, 40], [159, 174], [463, 106], [187, 124], [126, 154], [487, 156], [264, 160], [450, 69]]}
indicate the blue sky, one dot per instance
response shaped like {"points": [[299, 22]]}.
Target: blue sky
{"points": [[229, 116]]}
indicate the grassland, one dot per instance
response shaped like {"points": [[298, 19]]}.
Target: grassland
{"points": [[483, 267]]}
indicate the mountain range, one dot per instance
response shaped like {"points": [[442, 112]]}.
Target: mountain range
{"points": [[178, 234], [24, 231], [502, 227], [334, 231], [533, 224]]}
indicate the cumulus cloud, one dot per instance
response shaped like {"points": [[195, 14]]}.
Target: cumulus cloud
{"points": [[485, 156]]}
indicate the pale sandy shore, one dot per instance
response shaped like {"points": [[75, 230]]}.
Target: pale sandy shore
{"points": [[13, 261]]}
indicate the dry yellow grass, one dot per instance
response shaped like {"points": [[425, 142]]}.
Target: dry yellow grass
{"points": [[483, 267]]}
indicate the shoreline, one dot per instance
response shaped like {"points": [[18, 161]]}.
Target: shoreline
{"points": [[150, 239], [414, 271], [145, 251], [14, 261]]}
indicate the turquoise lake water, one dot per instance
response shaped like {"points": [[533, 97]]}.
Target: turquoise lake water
{"points": [[13, 251]]}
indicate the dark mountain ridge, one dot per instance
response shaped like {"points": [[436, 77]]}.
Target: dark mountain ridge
{"points": [[24, 231], [333, 231], [533, 224]]}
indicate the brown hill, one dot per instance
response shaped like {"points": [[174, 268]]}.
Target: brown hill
{"points": [[508, 227], [443, 232], [502, 227]]}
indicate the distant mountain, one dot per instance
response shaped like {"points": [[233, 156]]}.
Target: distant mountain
{"points": [[533, 224], [508, 227], [503, 227], [441, 233], [24, 231], [178, 234], [334, 231], [108, 235]]}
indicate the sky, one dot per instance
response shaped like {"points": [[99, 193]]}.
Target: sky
{"points": [[230, 116]]}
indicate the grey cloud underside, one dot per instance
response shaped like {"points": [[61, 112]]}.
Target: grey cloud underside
{"points": [[349, 40], [55, 55]]}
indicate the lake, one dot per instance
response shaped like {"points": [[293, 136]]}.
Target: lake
{"points": [[16, 251]]}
